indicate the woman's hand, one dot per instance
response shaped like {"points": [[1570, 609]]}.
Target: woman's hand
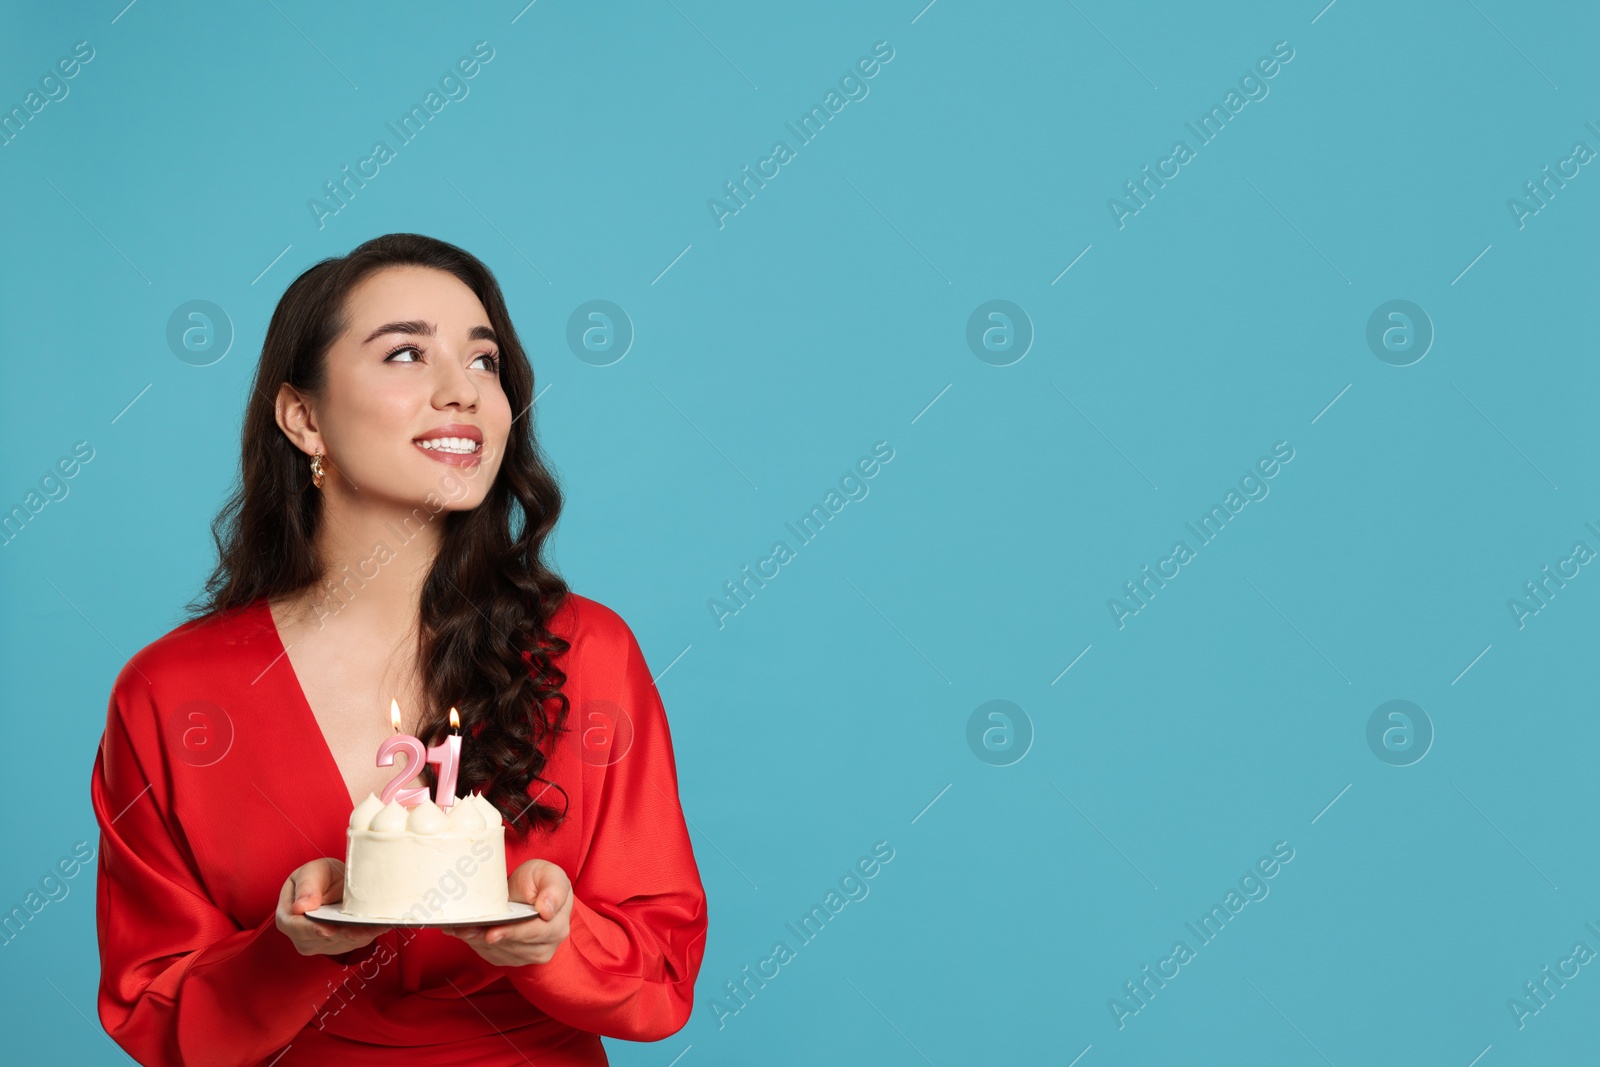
{"points": [[545, 886], [309, 887]]}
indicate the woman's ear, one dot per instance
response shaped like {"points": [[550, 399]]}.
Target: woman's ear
{"points": [[297, 420]]}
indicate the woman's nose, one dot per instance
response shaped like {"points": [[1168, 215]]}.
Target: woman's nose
{"points": [[453, 384]]}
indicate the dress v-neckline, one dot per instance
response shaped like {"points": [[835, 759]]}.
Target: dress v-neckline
{"points": [[309, 716]]}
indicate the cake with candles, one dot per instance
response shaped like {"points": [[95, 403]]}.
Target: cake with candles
{"points": [[424, 863]]}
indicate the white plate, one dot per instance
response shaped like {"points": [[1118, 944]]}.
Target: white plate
{"points": [[331, 913]]}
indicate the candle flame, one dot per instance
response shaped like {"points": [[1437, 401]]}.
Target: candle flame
{"points": [[394, 713], [455, 720]]}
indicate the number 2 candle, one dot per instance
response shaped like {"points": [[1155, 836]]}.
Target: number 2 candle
{"points": [[408, 796]]}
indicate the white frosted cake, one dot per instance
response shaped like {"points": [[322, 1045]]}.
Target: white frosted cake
{"points": [[425, 864]]}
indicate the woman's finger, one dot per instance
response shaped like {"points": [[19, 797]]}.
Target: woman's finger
{"points": [[556, 896], [307, 888], [527, 931], [317, 884], [523, 884], [543, 885], [553, 892]]}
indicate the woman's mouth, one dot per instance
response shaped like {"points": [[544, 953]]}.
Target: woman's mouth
{"points": [[453, 451]]}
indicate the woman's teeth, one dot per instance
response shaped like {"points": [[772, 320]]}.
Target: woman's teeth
{"points": [[461, 445]]}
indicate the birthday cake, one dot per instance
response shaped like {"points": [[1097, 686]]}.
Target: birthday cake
{"points": [[424, 863]]}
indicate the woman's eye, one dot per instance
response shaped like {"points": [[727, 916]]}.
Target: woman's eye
{"points": [[493, 361], [404, 348]]}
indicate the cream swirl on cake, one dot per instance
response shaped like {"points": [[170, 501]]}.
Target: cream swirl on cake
{"points": [[425, 863]]}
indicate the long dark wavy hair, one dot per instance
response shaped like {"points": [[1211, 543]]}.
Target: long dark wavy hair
{"points": [[484, 642]]}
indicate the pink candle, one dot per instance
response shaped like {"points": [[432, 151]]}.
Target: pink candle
{"points": [[448, 757], [408, 796]]}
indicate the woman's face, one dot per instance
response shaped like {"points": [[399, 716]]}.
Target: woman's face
{"points": [[413, 408]]}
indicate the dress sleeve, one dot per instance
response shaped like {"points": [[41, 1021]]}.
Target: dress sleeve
{"points": [[638, 927], [180, 982]]}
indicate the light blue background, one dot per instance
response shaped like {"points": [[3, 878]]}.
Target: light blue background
{"points": [[829, 314]]}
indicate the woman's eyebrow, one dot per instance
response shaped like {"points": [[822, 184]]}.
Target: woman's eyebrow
{"points": [[426, 329]]}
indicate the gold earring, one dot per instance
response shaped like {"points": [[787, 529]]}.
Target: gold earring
{"points": [[317, 473]]}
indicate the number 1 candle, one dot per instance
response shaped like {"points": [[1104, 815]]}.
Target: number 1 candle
{"points": [[448, 757]]}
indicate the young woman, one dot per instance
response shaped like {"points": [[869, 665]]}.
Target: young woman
{"points": [[385, 544]]}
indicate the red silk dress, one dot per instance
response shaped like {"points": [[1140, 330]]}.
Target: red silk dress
{"points": [[213, 782]]}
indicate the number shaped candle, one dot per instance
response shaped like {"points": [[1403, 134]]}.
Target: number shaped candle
{"points": [[416, 755], [448, 757]]}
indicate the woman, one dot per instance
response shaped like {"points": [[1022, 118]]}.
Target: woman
{"points": [[385, 543]]}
